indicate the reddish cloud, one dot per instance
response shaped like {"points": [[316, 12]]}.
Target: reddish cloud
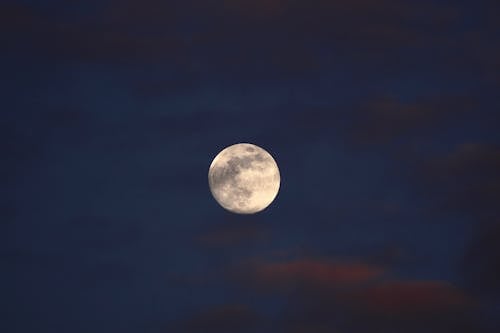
{"points": [[325, 296], [409, 297], [320, 273], [397, 306], [365, 290]]}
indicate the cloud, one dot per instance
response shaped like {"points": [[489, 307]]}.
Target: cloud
{"points": [[252, 39], [481, 262], [309, 273], [385, 119], [274, 38], [464, 180], [17, 17], [97, 38], [320, 295], [309, 38], [410, 306], [328, 296], [228, 318], [343, 14], [366, 286], [409, 298]]}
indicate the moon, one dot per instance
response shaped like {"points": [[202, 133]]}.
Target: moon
{"points": [[244, 178]]}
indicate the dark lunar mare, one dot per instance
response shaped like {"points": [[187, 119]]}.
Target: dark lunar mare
{"points": [[221, 176]]}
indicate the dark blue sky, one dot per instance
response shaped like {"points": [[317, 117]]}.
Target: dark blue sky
{"points": [[383, 118]]}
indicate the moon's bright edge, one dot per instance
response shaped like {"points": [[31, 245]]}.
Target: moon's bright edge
{"points": [[244, 178]]}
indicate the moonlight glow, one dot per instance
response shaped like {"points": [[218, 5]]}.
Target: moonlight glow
{"points": [[244, 178]]}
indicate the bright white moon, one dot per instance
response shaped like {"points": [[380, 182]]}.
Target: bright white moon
{"points": [[244, 178]]}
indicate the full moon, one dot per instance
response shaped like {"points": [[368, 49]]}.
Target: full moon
{"points": [[244, 178]]}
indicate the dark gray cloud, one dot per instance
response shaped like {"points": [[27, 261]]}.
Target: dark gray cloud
{"points": [[464, 180], [195, 37], [226, 318], [481, 262], [384, 120]]}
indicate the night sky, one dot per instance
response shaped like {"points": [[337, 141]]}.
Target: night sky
{"points": [[383, 117]]}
